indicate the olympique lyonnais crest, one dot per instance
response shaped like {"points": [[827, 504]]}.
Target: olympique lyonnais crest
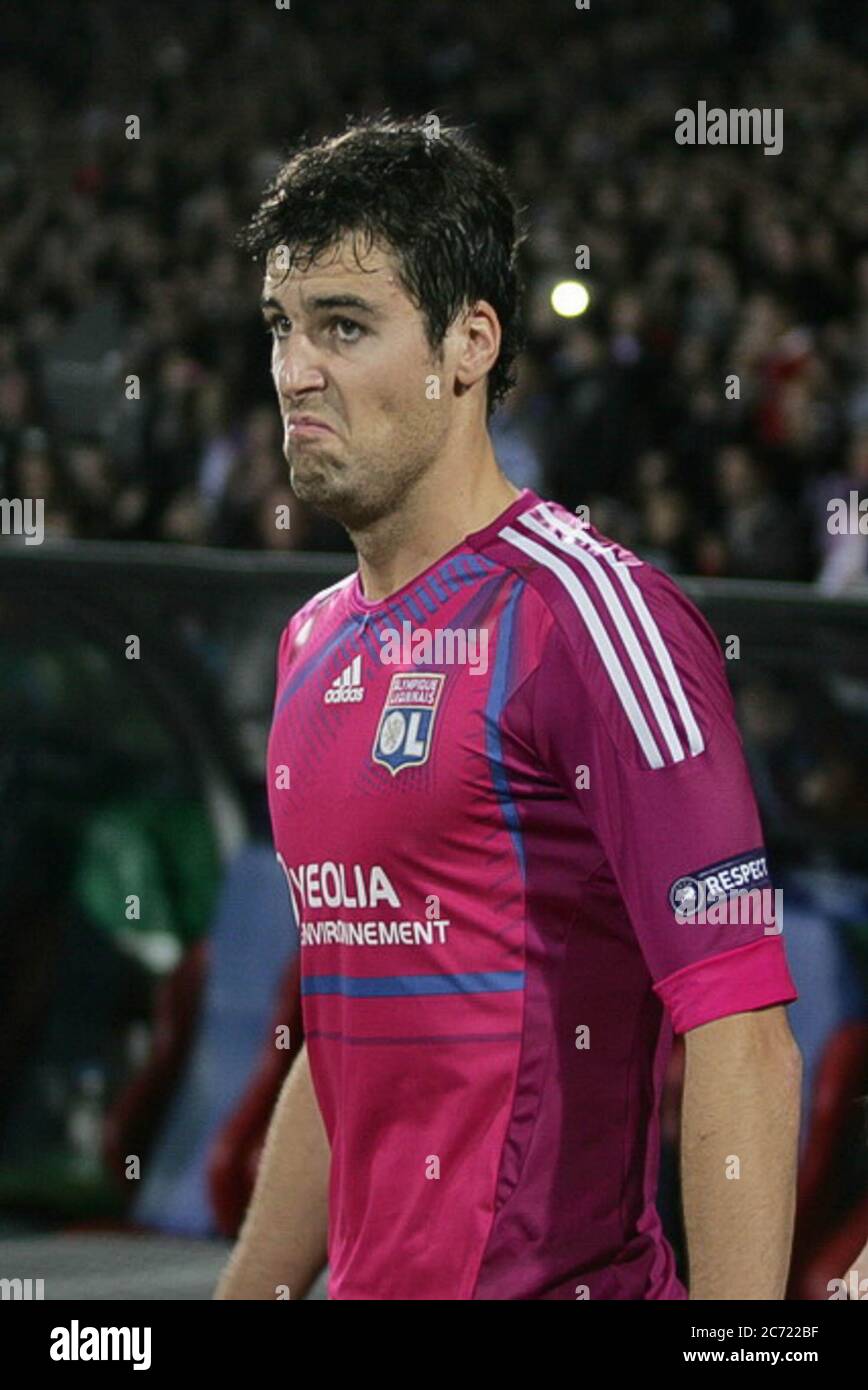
{"points": [[407, 721]]}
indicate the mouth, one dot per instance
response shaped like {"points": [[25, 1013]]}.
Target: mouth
{"points": [[306, 427]]}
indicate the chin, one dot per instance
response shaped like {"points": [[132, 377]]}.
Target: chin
{"points": [[317, 489], [309, 475]]}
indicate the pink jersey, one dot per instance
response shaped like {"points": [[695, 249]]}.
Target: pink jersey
{"points": [[492, 794]]}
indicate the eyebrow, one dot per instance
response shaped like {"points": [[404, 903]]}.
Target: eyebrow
{"points": [[328, 301]]}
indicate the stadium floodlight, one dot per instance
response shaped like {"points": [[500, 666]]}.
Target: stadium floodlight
{"points": [[569, 298]]}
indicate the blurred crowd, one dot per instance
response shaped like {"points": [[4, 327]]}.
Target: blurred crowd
{"points": [[708, 266]]}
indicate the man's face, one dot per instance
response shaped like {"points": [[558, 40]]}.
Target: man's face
{"points": [[349, 349]]}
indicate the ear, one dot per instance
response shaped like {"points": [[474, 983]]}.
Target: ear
{"points": [[479, 336]]}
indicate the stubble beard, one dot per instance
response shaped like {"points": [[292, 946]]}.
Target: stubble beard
{"points": [[378, 492]]}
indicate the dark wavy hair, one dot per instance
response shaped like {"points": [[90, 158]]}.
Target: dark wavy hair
{"points": [[422, 191]]}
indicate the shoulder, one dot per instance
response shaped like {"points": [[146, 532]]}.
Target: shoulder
{"points": [[313, 617], [622, 635], [593, 587]]}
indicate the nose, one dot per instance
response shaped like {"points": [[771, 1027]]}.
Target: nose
{"points": [[295, 369]]}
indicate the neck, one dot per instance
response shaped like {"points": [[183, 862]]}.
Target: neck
{"points": [[432, 520]]}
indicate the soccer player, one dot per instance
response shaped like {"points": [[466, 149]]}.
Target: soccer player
{"points": [[504, 776]]}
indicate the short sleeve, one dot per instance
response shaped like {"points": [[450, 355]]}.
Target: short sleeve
{"points": [[638, 727]]}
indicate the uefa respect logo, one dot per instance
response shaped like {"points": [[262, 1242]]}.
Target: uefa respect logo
{"points": [[735, 892], [753, 907]]}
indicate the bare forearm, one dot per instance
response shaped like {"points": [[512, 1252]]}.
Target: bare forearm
{"points": [[740, 1124], [283, 1239]]}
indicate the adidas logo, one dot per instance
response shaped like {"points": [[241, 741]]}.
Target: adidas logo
{"points": [[347, 688]]}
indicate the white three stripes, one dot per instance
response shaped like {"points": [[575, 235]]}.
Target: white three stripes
{"points": [[350, 675], [600, 562], [650, 628]]}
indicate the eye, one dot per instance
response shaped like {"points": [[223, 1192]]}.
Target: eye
{"points": [[354, 330], [274, 327]]}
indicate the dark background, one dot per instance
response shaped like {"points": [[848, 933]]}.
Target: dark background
{"points": [[154, 1036], [117, 257]]}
